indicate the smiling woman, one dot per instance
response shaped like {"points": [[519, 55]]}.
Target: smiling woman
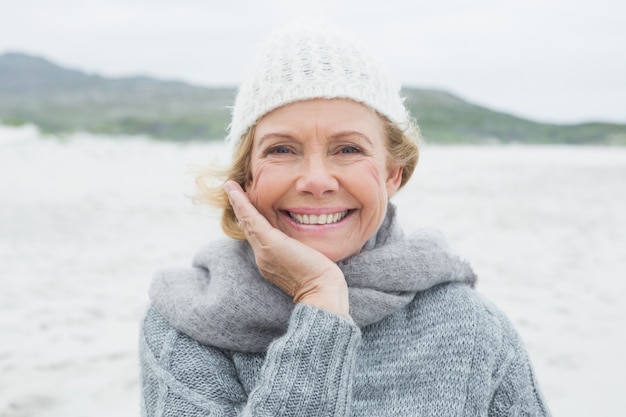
{"points": [[320, 305]]}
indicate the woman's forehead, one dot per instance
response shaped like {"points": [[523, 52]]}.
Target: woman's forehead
{"points": [[333, 116]]}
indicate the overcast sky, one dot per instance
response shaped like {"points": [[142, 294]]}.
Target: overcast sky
{"points": [[549, 60]]}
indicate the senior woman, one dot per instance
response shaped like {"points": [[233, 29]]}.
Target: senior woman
{"points": [[318, 304]]}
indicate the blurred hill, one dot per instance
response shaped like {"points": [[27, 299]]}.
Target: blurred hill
{"points": [[60, 100]]}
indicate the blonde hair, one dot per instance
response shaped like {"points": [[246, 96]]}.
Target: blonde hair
{"points": [[402, 145]]}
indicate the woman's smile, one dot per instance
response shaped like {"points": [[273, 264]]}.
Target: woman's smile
{"points": [[318, 219]]}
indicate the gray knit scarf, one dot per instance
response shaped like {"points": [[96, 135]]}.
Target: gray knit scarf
{"points": [[223, 301]]}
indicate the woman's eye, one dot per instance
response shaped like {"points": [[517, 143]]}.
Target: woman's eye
{"points": [[350, 150], [280, 150]]}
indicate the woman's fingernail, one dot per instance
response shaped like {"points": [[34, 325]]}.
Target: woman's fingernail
{"points": [[228, 187]]}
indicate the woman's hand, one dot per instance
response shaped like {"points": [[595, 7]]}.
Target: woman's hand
{"points": [[302, 272]]}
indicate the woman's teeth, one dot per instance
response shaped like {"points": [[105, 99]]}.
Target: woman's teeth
{"points": [[319, 218]]}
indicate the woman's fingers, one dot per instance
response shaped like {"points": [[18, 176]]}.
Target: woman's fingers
{"points": [[268, 244], [253, 224]]}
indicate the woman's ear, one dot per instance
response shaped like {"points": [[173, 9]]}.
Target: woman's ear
{"points": [[394, 179]]}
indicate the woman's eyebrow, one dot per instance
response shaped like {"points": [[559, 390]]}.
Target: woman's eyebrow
{"points": [[348, 133], [336, 136], [277, 135]]}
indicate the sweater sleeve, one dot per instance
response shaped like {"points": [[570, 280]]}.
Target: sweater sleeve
{"points": [[306, 372], [516, 390]]}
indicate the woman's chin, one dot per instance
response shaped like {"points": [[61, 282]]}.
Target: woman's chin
{"points": [[330, 250]]}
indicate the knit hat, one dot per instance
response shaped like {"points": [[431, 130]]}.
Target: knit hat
{"points": [[306, 62]]}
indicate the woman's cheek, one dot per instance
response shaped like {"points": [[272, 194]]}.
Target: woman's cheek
{"points": [[372, 172], [253, 186], [260, 193]]}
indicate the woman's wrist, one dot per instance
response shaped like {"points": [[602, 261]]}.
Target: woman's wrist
{"points": [[329, 295]]}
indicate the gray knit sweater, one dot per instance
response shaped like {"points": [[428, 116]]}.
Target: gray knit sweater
{"points": [[445, 351]]}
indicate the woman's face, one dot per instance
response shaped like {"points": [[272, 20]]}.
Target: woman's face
{"points": [[320, 174]]}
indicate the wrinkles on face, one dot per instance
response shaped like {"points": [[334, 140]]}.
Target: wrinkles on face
{"points": [[322, 156]]}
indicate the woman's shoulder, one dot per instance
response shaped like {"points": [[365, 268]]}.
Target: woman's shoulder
{"points": [[458, 297], [160, 336], [156, 331], [481, 331], [459, 308]]}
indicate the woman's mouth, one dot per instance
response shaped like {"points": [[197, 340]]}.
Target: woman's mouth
{"points": [[328, 218]]}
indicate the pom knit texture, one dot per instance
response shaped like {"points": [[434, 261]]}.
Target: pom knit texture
{"points": [[300, 63]]}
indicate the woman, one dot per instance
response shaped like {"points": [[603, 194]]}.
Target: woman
{"points": [[319, 305]]}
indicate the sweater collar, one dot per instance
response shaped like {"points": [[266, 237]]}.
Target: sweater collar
{"points": [[224, 301]]}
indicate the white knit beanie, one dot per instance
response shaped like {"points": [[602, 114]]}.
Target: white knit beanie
{"points": [[313, 61]]}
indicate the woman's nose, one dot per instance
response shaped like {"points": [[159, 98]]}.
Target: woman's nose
{"points": [[316, 177]]}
